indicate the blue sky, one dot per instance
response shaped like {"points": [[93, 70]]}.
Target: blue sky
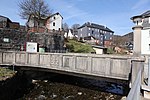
{"points": [[114, 14]]}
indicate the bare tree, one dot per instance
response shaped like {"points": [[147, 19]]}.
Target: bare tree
{"points": [[65, 27], [75, 28], [37, 8]]}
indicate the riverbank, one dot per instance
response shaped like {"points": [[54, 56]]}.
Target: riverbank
{"points": [[12, 85], [47, 90], [6, 73], [57, 87]]}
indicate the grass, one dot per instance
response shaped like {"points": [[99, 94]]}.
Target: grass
{"points": [[78, 47], [6, 73]]}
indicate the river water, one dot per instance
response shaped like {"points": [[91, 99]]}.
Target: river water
{"points": [[63, 87]]}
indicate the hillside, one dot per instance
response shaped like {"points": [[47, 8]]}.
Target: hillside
{"points": [[121, 40], [77, 47]]}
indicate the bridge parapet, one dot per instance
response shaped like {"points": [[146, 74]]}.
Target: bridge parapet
{"points": [[110, 66]]}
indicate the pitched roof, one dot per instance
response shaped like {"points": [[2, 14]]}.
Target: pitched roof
{"points": [[6, 18], [43, 17], [56, 14], [145, 14], [92, 25]]}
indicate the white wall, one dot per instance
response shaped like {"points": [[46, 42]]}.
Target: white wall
{"points": [[31, 23], [57, 21], [145, 41], [98, 51]]}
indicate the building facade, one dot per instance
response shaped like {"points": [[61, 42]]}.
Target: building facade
{"points": [[55, 22], [102, 34], [141, 33]]}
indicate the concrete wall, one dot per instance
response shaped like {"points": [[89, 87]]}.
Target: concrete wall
{"points": [[117, 67], [98, 51], [137, 40]]}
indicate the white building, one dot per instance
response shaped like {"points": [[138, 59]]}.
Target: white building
{"points": [[55, 22], [69, 34], [142, 34]]}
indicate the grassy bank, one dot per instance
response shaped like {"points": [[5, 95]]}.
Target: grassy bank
{"points": [[5, 73], [78, 47]]}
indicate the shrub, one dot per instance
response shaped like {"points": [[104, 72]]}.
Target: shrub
{"points": [[77, 47]]}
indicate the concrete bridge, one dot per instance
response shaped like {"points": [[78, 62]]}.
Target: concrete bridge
{"points": [[126, 68], [109, 66]]}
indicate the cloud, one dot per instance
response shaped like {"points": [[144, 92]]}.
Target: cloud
{"points": [[140, 3]]}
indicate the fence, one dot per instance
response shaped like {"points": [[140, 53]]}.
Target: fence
{"points": [[134, 93]]}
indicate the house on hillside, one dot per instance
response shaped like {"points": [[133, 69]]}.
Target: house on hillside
{"points": [[55, 22], [69, 34], [128, 41], [7, 23], [36, 25], [45, 24], [125, 41], [141, 33], [99, 32]]}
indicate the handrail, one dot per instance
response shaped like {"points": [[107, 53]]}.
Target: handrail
{"points": [[134, 93]]}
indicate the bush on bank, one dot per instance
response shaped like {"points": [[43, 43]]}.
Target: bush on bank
{"points": [[78, 47]]}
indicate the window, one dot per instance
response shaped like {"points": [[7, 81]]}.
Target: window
{"points": [[89, 34], [149, 46], [92, 31], [6, 40], [89, 28], [54, 17], [54, 24]]}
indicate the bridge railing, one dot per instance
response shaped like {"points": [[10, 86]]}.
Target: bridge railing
{"points": [[111, 66], [135, 91]]}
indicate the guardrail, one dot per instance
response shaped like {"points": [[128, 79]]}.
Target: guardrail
{"points": [[110, 66], [134, 93]]}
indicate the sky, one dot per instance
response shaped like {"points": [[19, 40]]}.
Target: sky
{"points": [[115, 14]]}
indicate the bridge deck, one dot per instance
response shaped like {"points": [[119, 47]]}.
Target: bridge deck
{"points": [[110, 66]]}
